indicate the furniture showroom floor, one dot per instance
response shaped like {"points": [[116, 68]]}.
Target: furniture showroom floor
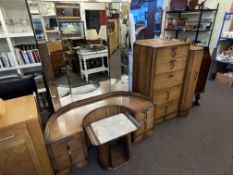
{"points": [[201, 144]]}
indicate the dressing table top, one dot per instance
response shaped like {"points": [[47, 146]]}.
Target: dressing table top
{"points": [[68, 120]]}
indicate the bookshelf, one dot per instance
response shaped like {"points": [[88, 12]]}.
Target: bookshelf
{"points": [[223, 60], [196, 25], [12, 33]]}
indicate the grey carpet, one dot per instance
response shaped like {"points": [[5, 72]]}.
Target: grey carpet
{"points": [[201, 144]]}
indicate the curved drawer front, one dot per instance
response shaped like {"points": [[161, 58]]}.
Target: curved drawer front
{"points": [[168, 80], [172, 52], [166, 109], [170, 64], [166, 95]]}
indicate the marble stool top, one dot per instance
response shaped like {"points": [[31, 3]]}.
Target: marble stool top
{"points": [[112, 127]]}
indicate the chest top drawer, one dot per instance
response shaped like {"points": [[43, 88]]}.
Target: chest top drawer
{"points": [[172, 52], [168, 80], [170, 64]]}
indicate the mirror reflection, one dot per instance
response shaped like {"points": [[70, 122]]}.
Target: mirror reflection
{"points": [[87, 46]]}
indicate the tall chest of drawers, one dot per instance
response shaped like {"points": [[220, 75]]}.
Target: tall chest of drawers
{"points": [[159, 68]]}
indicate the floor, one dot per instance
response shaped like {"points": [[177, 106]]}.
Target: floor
{"points": [[201, 144]]}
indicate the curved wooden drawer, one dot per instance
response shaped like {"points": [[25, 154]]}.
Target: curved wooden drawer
{"points": [[67, 144], [67, 159], [172, 52], [166, 109], [168, 79], [170, 64], [166, 95], [146, 125]]}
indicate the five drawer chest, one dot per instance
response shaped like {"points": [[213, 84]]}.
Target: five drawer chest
{"points": [[159, 71]]}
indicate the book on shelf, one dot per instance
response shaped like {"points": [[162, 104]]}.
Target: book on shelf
{"points": [[27, 54], [7, 60]]}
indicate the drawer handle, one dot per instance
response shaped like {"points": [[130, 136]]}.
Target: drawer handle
{"points": [[168, 95], [173, 51], [145, 113], [170, 76], [172, 64]]}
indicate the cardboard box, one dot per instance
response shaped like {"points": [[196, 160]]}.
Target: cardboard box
{"points": [[224, 79], [54, 46]]}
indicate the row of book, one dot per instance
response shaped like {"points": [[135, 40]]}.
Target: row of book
{"points": [[6, 60], [27, 56], [23, 57]]}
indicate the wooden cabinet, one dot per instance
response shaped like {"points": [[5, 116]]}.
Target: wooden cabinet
{"points": [[191, 77], [22, 147], [159, 70]]}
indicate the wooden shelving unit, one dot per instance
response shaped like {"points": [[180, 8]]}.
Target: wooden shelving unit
{"points": [[191, 14], [221, 62]]}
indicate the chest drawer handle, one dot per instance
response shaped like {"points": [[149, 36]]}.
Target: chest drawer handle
{"points": [[173, 51], [170, 76], [168, 95], [172, 64]]}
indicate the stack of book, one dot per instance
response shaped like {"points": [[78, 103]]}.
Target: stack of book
{"points": [[7, 60], [27, 54]]}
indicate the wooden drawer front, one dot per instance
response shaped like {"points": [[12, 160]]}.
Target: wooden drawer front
{"points": [[165, 109], [146, 125], [168, 80], [70, 143], [166, 95], [171, 64], [145, 114], [172, 52], [66, 160]]}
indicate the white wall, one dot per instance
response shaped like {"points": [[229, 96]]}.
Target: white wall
{"points": [[224, 6]]}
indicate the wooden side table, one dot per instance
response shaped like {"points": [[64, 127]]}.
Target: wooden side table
{"points": [[85, 55], [112, 136]]}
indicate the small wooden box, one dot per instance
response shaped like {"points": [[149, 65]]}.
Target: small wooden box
{"points": [[224, 79]]}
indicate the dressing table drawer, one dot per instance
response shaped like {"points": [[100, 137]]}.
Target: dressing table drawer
{"points": [[145, 114], [146, 125], [67, 159], [67, 144]]}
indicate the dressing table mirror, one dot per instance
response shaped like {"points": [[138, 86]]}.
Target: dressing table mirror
{"points": [[83, 47]]}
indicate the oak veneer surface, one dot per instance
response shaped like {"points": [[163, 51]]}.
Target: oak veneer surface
{"points": [[158, 43], [22, 146], [70, 122], [19, 110], [159, 70]]}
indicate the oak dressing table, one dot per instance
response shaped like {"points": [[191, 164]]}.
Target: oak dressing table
{"points": [[66, 139]]}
